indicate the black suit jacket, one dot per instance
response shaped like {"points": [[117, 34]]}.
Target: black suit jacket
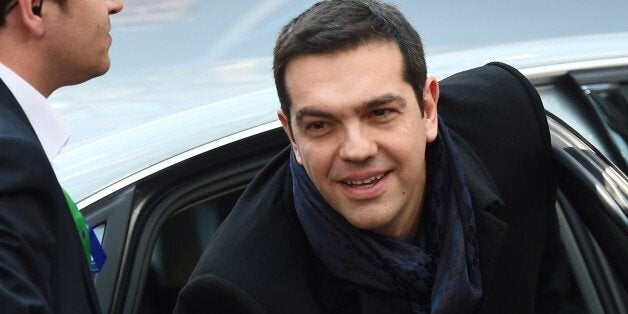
{"points": [[260, 259], [42, 264]]}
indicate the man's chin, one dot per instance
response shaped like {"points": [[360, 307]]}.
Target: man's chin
{"points": [[88, 75], [104, 68], [378, 225]]}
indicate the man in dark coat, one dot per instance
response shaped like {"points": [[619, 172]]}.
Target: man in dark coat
{"points": [[382, 204], [44, 244]]}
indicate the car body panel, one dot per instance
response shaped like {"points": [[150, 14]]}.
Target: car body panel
{"points": [[122, 154], [189, 69]]}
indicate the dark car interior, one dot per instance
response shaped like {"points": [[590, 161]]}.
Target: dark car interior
{"points": [[194, 206], [179, 245], [596, 244]]}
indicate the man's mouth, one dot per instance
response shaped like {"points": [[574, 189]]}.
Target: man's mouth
{"points": [[366, 183]]}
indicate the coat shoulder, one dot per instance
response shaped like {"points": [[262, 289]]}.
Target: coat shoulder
{"points": [[260, 251]]}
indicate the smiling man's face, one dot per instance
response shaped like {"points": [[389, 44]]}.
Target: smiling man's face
{"points": [[357, 129]]}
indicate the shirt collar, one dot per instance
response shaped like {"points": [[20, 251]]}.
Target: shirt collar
{"points": [[50, 128]]}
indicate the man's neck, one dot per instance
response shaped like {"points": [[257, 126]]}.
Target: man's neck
{"points": [[26, 63], [48, 125]]}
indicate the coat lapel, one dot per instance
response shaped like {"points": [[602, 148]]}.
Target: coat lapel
{"points": [[491, 234], [488, 206], [8, 101]]}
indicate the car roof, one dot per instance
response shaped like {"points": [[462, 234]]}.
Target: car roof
{"points": [[191, 75]]}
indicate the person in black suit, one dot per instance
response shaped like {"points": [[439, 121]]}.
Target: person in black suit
{"points": [[44, 249], [383, 204]]}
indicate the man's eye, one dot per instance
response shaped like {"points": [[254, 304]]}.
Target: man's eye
{"points": [[317, 128], [318, 125], [381, 113]]}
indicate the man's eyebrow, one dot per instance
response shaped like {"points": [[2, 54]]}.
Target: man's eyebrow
{"points": [[370, 104], [378, 101], [305, 111]]}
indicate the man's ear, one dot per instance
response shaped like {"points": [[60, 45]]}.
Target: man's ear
{"points": [[431, 92], [31, 16], [285, 123]]}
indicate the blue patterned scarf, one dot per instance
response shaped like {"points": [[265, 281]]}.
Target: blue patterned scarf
{"points": [[439, 273]]}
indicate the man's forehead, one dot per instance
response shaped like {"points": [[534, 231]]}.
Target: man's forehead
{"points": [[321, 77]]}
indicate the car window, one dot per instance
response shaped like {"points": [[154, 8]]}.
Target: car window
{"points": [[606, 94], [180, 243], [175, 212], [111, 217], [591, 208], [610, 102], [599, 288]]}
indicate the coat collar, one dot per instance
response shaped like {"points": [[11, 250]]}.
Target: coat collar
{"points": [[48, 125], [10, 103]]}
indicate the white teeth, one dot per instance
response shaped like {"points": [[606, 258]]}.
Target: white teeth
{"points": [[365, 181]]}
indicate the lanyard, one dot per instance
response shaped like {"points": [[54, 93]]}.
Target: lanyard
{"points": [[94, 253]]}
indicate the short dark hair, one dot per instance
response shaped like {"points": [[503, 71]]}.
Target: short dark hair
{"points": [[336, 25], [7, 5]]}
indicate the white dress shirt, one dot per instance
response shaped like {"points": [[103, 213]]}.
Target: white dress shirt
{"points": [[50, 128]]}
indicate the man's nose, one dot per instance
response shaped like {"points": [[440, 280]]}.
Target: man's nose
{"points": [[115, 6], [357, 145]]}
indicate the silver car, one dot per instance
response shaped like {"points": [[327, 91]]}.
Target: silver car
{"points": [[164, 144]]}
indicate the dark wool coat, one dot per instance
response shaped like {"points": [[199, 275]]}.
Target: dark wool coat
{"points": [[260, 259]]}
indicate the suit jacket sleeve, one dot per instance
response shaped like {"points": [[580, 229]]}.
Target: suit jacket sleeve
{"points": [[27, 226], [211, 293]]}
